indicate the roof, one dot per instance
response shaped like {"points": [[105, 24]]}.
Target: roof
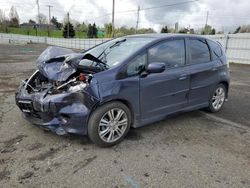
{"points": [[165, 35]]}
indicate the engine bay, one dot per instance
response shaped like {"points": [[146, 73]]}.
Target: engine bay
{"points": [[38, 83]]}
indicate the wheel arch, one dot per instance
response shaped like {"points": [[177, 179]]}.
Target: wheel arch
{"points": [[226, 84], [123, 101]]}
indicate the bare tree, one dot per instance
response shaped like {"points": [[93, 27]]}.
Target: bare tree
{"points": [[14, 18], [42, 18], [2, 17], [244, 29]]}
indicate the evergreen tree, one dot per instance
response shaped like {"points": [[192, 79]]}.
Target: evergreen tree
{"points": [[95, 30], [56, 23], [90, 31], [71, 30], [237, 30], [108, 30], [164, 29]]}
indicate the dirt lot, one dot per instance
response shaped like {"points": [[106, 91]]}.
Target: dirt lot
{"points": [[195, 149]]}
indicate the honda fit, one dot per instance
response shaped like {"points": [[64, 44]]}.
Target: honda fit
{"points": [[122, 83]]}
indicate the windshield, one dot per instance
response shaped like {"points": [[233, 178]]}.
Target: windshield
{"points": [[115, 51]]}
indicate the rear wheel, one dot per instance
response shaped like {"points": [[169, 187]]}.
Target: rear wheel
{"points": [[217, 99], [109, 124]]}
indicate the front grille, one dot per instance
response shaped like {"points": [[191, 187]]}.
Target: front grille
{"points": [[25, 106]]}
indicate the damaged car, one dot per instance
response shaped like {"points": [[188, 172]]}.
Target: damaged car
{"points": [[125, 82]]}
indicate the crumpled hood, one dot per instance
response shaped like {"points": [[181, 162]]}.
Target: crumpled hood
{"points": [[57, 64]]}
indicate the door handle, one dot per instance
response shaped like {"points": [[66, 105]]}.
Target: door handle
{"points": [[183, 77]]}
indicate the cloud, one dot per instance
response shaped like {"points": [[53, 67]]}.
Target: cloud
{"points": [[223, 14]]}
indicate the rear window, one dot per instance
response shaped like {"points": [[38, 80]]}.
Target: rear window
{"points": [[199, 51], [215, 49]]}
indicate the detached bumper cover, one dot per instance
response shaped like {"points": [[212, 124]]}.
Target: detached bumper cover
{"points": [[68, 112]]}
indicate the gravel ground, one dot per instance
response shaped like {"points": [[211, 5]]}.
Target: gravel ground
{"points": [[195, 149]]}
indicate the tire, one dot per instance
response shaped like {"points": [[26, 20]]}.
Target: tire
{"points": [[109, 124], [219, 95]]}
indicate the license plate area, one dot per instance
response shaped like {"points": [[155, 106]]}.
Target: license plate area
{"points": [[25, 106]]}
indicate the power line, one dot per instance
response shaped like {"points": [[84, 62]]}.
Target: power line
{"points": [[149, 8], [161, 6]]}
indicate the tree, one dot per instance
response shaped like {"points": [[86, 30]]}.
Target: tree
{"points": [[95, 30], [164, 29], [32, 21], [2, 17], [183, 30], [90, 31], [81, 27], [208, 30], [237, 30], [14, 18], [56, 23], [84, 27], [244, 29], [68, 30], [213, 31], [42, 19], [108, 30], [122, 31]]}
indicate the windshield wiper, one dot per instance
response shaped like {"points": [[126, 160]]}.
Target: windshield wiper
{"points": [[109, 47], [94, 59]]}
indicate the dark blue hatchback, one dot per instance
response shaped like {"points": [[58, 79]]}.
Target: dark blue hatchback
{"points": [[125, 82]]}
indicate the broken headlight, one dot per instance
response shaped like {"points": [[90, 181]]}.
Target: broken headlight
{"points": [[77, 87]]}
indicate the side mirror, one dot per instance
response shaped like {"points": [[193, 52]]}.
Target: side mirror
{"points": [[156, 67]]}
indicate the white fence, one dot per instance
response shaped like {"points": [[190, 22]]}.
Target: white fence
{"points": [[67, 43], [237, 46]]}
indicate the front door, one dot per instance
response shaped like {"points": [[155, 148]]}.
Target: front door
{"points": [[166, 92]]}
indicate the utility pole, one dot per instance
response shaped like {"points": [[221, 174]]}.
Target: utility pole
{"points": [[113, 19], [206, 23], [68, 25], [38, 16], [137, 21], [50, 6], [38, 12]]}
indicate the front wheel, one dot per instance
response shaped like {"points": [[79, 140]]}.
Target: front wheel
{"points": [[217, 99], [109, 124]]}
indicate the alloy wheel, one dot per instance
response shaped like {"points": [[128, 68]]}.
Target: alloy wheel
{"points": [[113, 125], [218, 98]]}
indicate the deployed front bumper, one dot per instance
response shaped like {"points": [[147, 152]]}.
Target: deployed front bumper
{"points": [[61, 113]]}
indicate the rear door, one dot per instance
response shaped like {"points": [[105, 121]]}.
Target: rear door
{"points": [[166, 92], [203, 71]]}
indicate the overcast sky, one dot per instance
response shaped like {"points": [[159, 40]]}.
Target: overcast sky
{"points": [[223, 14]]}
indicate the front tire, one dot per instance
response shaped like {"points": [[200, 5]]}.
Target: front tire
{"points": [[217, 99], [109, 124]]}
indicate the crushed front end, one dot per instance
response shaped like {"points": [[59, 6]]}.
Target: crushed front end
{"points": [[61, 110], [60, 104]]}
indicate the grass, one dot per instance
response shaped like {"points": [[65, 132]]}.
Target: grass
{"points": [[41, 32]]}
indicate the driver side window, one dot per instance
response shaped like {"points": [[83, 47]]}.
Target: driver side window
{"points": [[172, 53], [136, 65]]}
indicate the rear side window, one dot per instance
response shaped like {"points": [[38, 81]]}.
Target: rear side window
{"points": [[215, 49], [172, 53], [199, 51]]}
